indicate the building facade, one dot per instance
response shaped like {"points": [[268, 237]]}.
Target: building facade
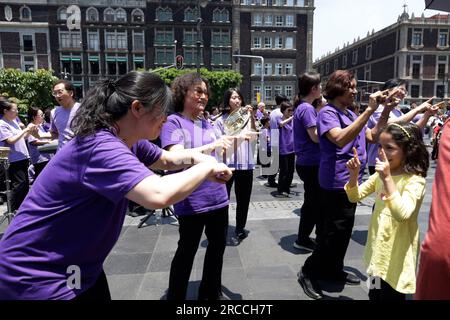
{"points": [[413, 49], [279, 31]]}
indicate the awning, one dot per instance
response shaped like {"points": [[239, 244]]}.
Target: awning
{"points": [[441, 5]]}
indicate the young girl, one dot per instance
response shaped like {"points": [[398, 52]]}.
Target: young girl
{"points": [[287, 155], [399, 183]]}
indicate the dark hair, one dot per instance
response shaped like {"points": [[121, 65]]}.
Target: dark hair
{"points": [[338, 83], [182, 84], [32, 113], [285, 105], [109, 100], [279, 98], [5, 104], [264, 120], [416, 154], [67, 85], [47, 114], [227, 96], [393, 83], [317, 102], [306, 82]]}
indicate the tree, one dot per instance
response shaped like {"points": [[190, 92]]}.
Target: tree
{"points": [[219, 81], [28, 88]]}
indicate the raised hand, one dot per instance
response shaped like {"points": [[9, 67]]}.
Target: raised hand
{"points": [[354, 165], [425, 106], [382, 165]]}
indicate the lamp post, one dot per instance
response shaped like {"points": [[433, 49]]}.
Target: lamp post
{"points": [[200, 4], [262, 70]]}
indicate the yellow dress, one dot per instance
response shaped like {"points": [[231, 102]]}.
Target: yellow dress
{"points": [[393, 238]]}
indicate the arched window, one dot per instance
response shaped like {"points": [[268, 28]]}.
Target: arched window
{"points": [[109, 15], [225, 15], [191, 14], [216, 15], [91, 14], [121, 15], [25, 13], [164, 14], [62, 13], [137, 15]]}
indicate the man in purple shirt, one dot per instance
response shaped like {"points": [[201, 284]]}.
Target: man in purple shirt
{"points": [[72, 217]]}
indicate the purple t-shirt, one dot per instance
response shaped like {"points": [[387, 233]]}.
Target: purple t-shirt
{"points": [[60, 122], [18, 151], [286, 140], [307, 151], [35, 155], [333, 173], [72, 217], [243, 156], [209, 195], [372, 148]]}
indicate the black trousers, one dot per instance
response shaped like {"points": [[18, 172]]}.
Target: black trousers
{"points": [[287, 167], [38, 167], [18, 174], [243, 183], [385, 293], [98, 292], [310, 211], [191, 228], [327, 260]]}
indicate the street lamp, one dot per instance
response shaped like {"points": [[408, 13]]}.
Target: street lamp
{"points": [[200, 4], [262, 70]]}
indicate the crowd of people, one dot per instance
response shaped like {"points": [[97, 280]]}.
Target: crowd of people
{"points": [[104, 159]]}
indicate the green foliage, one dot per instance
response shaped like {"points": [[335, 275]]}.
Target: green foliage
{"points": [[219, 81], [28, 88]]}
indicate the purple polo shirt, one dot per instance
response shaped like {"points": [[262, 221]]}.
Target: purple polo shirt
{"points": [[72, 216], [333, 173], [209, 195], [18, 151], [307, 151], [60, 122], [372, 148], [286, 138]]}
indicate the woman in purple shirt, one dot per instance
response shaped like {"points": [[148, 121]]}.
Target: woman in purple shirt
{"points": [[306, 146], [287, 155], [339, 131], [73, 215], [207, 207]]}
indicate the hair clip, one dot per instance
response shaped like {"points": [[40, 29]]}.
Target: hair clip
{"points": [[401, 128]]}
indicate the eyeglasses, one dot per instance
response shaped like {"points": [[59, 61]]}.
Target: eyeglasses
{"points": [[199, 91], [58, 93]]}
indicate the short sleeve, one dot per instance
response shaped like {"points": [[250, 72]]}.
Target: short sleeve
{"points": [[309, 119], [171, 133], [327, 120], [147, 152], [52, 121], [5, 131], [113, 170]]}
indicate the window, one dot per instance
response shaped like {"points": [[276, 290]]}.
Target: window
{"points": [[138, 63], [91, 15], [415, 91], [354, 57], [138, 41], [28, 63], [109, 15], [191, 14], [220, 38], [137, 16], [267, 42], [257, 69], [121, 15], [279, 42], [164, 14], [164, 55], [289, 44], [440, 91], [71, 64], [268, 20], [122, 42], [27, 42], [278, 90], [369, 51], [288, 91], [116, 65], [25, 13], [289, 20], [268, 69], [442, 67], [116, 40], [416, 66], [268, 93], [344, 61], [417, 37], [221, 56], [289, 69], [190, 36], [290, 3], [94, 65], [221, 15], [443, 38], [336, 64], [77, 67], [191, 55], [69, 39], [256, 42], [367, 72], [165, 36], [279, 2], [279, 21], [93, 41], [300, 3], [257, 19], [278, 69], [327, 68], [62, 13]]}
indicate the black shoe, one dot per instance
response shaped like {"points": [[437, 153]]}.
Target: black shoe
{"points": [[308, 287], [308, 245], [271, 185], [346, 277], [241, 235]]}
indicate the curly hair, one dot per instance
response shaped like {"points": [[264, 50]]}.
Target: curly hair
{"points": [[409, 138], [182, 84], [338, 83]]}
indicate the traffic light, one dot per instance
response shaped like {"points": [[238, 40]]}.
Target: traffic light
{"points": [[179, 62]]}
